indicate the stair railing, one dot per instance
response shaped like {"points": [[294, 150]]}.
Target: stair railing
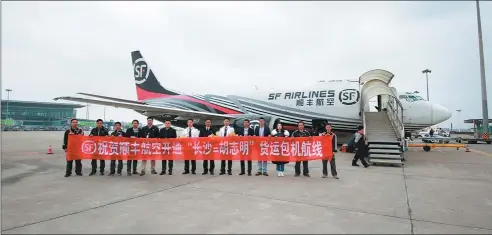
{"points": [[395, 115]]}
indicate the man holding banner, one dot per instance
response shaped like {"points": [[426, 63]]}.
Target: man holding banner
{"points": [[225, 131], [117, 133], [246, 131], [301, 132], [149, 131], [168, 148], [74, 130], [262, 131], [208, 132], [99, 130], [167, 133], [190, 132], [327, 131], [132, 132]]}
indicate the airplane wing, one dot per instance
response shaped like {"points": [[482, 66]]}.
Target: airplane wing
{"points": [[111, 98], [148, 108]]}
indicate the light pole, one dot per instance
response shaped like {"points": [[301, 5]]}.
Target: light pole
{"points": [[459, 120], [8, 99], [427, 71], [485, 111], [87, 112]]}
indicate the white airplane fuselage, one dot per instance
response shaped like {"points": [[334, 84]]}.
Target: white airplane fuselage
{"points": [[336, 102]]}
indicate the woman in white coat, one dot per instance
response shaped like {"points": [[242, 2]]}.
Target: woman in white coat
{"points": [[280, 132]]}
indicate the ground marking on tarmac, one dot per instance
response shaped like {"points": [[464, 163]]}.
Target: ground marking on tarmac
{"points": [[481, 152], [31, 153]]}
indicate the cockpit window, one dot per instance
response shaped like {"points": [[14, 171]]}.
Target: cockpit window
{"points": [[412, 98]]}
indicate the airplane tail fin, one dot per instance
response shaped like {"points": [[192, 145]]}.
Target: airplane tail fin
{"points": [[148, 87]]}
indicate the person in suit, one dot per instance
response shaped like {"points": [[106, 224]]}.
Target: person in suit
{"points": [[99, 130], [246, 131], [117, 133], [225, 131], [208, 132], [167, 132], [132, 132], [73, 130], [262, 131], [190, 132], [280, 132], [149, 131]]}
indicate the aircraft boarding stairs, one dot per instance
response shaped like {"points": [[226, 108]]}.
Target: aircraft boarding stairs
{"points": [[384, 146], [384, 129]]}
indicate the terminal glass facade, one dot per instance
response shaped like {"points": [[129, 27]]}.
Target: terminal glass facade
{"points": [[37, 114]]}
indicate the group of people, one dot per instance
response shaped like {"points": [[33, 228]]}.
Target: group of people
{"points": [[152, 131]]}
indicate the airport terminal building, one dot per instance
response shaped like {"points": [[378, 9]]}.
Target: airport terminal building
{"points": [[18, 114]]}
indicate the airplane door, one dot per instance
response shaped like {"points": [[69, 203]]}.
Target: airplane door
{"points": [[318, 123]]}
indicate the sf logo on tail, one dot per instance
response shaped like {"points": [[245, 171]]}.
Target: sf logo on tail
{"points": [[141, 71]]}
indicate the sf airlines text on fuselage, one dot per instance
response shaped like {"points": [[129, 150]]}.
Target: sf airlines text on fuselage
{"points": [[302, 95]]}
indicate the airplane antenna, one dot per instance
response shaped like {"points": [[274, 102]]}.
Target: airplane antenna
{"points": [[256, 87]]}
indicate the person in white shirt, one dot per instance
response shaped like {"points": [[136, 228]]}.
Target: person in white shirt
{"points": [[190, 132], [224, 131]]}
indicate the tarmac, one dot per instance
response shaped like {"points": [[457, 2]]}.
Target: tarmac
{"points": [[441, 191]]}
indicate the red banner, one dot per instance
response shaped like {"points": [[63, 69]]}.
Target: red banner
{"points": [[204, 148]]}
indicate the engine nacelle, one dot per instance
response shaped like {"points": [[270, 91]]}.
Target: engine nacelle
{"points": [[254, 121]]}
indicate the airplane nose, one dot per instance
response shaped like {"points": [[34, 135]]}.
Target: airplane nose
{"points": [[440, 114]]}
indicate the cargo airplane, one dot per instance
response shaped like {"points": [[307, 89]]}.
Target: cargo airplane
{"points": [[337, 102]]}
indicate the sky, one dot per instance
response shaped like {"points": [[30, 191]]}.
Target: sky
{"points": [[52, 49]]}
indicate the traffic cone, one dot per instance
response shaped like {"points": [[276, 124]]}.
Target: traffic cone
{"points": [[467, 149], [50, 150]]}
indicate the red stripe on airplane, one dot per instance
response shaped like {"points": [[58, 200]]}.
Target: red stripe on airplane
{"points": [[146, 95]]}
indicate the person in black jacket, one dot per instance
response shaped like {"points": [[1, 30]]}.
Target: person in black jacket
{"points": [[333, 166], [132, 132], [301, 132], [246, 131], [149, 131], [262, 131], [118, 133], [207, 132], [99, 130], [362, 150], [73, 130], [167, 132]]}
